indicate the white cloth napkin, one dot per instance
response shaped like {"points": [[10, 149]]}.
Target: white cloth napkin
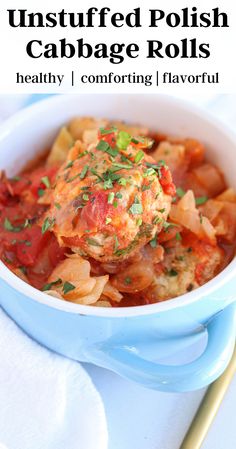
{"points": [[46, 401]]}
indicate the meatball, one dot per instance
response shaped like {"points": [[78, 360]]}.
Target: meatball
{"points": [[110, 198], [185, 268]]}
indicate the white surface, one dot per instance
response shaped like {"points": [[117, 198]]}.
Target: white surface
{"points": [[139, 418], [46, 400]]}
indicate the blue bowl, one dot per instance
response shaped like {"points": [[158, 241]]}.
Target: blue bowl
{"points": [[130, 340]]}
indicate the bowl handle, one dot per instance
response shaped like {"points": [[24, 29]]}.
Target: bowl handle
{"points": [[192, 376]]}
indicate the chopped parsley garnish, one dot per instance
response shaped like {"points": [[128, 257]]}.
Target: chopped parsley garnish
{"points": [[93, 242], [108, 220], [123, 140], [104, 131], [106, 148], [168, 225], [46, 182], [139, 221], [51, 284], [201, 200], [69, 165], [80, 155], [119, 195], [146, 186], [41, 192], [128, 280], [149, 172], [139, 156], [84, 172], [180, 192], [153, 242], [68, 287], [58, 206], [122, 166], [136, 208], [110, 197], [48, 224], [85, 197], [116, 243], [10, 227], [115, 204], [172, 272], [25, 242], [178, 236], [108, 184], [156, 220], [122, 181]]}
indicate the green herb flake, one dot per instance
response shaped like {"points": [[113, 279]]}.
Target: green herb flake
{"points": [[122, 166], [123, 140], [115, 204], [15, 178], [146, 187], [149, 172], [139, 221], [93, 242], [84, 172], [172, 272], [168, 225], [128, 280], [41, 192], [139, 156], [49, 286], [102, 146], [110, 197], [178, 237], [85, 197], [105, 132], [201, 200], [180, 192], [156, 220], [116, 243], [48, 224], [45, 180], [108, 220], [122, 181], [69, 165], [10, 227], [68, 287], [153, 242], [119, 195], [58, 206], [108, 184], [136, 209]]}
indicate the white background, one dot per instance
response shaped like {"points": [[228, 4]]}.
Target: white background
{"points": [[15, 59]]}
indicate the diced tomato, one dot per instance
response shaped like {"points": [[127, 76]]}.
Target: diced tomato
{"points": [[166, 181], [109, 138], [27, 255]]}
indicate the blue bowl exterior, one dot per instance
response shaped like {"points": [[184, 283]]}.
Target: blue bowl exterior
{"points": [[79, 336]]}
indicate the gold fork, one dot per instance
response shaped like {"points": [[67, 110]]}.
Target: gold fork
{"points": [[208, 408]]}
